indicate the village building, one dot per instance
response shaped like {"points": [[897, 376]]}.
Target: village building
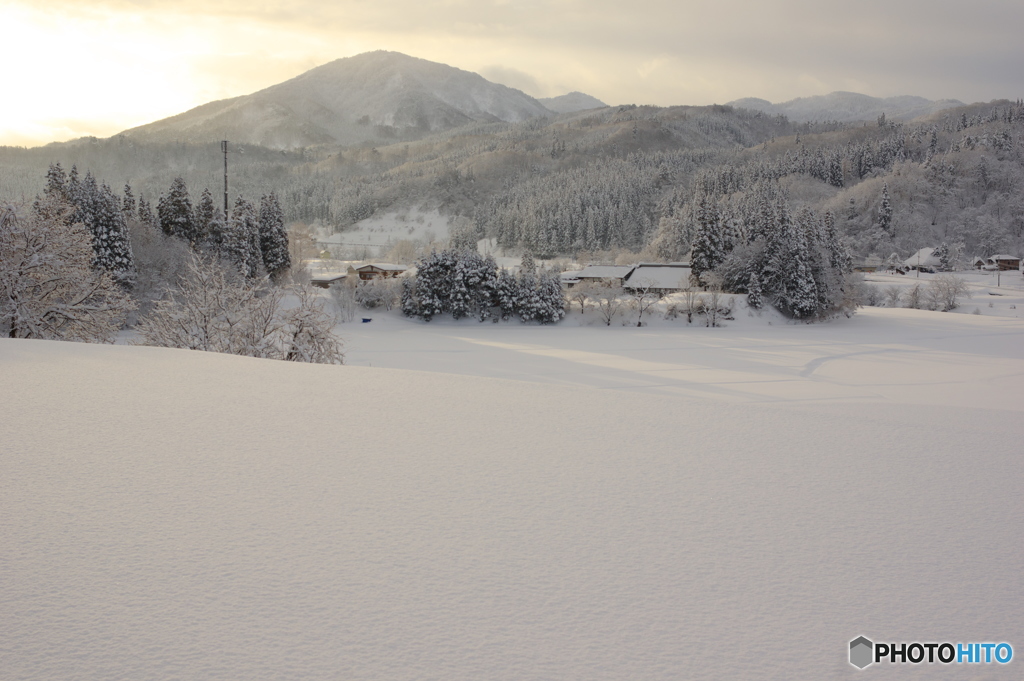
{"points": [[379, 270], [611, 274], [658, 277]]}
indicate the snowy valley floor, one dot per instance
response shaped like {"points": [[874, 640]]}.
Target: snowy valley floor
{"points": [[479, 501]]}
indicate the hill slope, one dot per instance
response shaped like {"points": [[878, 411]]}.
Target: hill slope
{"points": [[176, 514], [376, 95], [847, 107]]}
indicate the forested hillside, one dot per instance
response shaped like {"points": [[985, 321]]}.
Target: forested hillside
{"points": [[618, 178]]}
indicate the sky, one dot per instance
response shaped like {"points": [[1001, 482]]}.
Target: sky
{"points": [[74, 68]]}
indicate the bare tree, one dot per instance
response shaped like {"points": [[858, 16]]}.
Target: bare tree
{"points": [[643, 296], [945, 291], [581, 294], [691, 299], [893, 295], [343, 293], [913, 297], [609, 301], [48, 287], [308, 331]]}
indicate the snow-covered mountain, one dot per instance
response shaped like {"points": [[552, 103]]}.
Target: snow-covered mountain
{"points": [[373, 95], [848, 106], [572, 102]]}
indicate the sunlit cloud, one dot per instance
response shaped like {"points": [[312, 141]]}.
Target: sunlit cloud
{"points": [[114, 64]]}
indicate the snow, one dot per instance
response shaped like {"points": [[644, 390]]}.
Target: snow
{"points": [[506, 501], [413, 224]]}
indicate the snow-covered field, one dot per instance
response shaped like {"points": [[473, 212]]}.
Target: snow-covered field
{"points": [[481, 501]]}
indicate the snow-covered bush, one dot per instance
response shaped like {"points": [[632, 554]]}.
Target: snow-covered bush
{"points": [[945, 291], [914, 297], [893, 295], [379, 292], [343, 293], [49, 287], [215, 308]]}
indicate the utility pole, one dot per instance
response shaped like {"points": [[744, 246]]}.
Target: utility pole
{"points": [[224, 148]]}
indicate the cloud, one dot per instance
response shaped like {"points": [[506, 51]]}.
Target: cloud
{"points": [[514, 78], [182, 53]]}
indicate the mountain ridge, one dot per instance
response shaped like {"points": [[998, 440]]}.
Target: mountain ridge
{"points": [[848, 107], [368, 97]]}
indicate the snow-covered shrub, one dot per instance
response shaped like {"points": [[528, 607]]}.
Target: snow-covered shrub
{"points": [[217, 309], [307, 331], [49, 288], [160, 261], [893, 295], [379, 292], [945, 291], [872, 295], [343, 293], [914, 297]]}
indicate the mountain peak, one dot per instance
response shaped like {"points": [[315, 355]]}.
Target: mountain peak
{"points": [[372, 96]]}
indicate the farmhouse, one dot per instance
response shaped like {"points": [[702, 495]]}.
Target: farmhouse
{"points": [[924, 260], [658, 277], [1004, 262], [613, 274], [379, 270]]}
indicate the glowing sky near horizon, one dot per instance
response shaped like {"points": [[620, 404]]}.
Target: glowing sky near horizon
{"points": [[96, 68]]}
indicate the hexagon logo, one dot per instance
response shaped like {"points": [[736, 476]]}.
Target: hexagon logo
{"points": [[861, 652]]}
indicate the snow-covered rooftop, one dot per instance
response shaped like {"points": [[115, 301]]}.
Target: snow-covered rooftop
{"points": [[604, 271], [659, 276]]}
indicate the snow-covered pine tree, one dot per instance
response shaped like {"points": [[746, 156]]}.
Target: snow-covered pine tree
{"points": [[885, 210], [111, 242], [506, 293], [273, 237], [527, 304], [128, 206], [754, 299], [208, 223], [459, 296], [708, 248], [56, 183], [175, 212], [146, 211], [240, 245], [799, 296], [552, 298], [942, 253], [527, 264]]}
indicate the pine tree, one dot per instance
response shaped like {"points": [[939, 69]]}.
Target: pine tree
{"points": [[527, 264], [128, 206], [175, 212], [273, 237], [942, 253], [207, 222], [708, 247], [506, 294], [56, 183], [111, 242], [885, 210], [754, 299], [241, 239], [146, 212]]}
